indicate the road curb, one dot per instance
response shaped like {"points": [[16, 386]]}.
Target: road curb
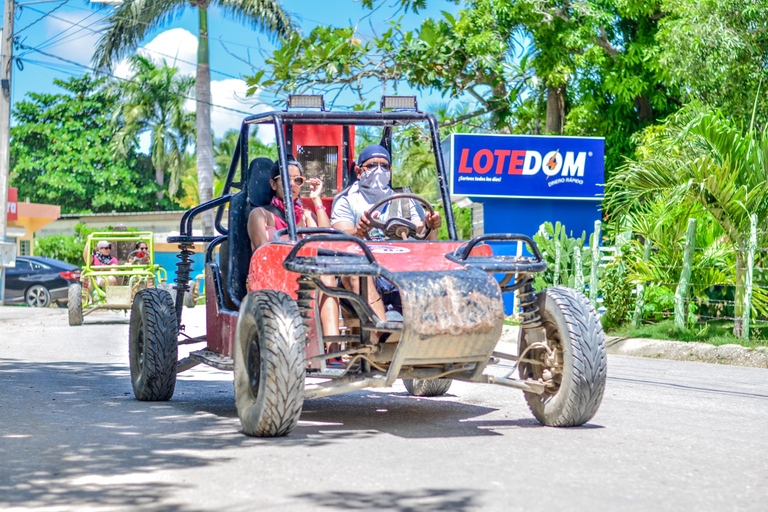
{"points": [[735, 355], [688, 351]]}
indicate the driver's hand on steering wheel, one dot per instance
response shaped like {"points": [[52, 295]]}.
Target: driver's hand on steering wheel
{"points": [[433, 220], [363, 226]]}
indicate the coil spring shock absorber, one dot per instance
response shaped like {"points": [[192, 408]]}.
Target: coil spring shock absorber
{"points": [[305, 294], [183, 269], [527, 297]]}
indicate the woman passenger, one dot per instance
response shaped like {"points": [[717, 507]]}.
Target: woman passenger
{"points": [[262, 225]]}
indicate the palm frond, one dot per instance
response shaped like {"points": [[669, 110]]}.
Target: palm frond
{"points": [[267, 16], [128, 24]]}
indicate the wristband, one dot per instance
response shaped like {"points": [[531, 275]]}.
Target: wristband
{"points": [[321, 207]]}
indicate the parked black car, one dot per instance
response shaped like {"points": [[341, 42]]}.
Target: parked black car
{"points": [[38, 281]]}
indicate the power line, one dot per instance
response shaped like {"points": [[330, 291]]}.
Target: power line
{"points": [[111, 75], [41, 18], [51, 40], [87, 27]]}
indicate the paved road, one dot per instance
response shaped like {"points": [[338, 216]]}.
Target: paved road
{"points": [[670, 435]]}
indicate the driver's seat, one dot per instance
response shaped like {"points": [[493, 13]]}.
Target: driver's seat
{"points": [[257, 192]]}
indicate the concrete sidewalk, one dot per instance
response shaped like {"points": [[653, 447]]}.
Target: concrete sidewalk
{"points": [[689, 351]]}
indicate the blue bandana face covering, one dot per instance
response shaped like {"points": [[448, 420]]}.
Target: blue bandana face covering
{"points": [[374, 184]]}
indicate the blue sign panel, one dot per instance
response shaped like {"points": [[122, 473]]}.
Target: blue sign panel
{"points": [[527, 166]]}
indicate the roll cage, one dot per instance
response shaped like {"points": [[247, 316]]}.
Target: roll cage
{"points": [[282, 119]]}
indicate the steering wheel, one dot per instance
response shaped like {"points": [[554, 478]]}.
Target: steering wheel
{"points": [[396, 227], [142, 256]]}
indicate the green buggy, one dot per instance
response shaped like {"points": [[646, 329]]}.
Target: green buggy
{"points": [[113, 286]]}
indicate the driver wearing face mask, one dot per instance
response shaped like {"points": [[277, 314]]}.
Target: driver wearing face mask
{"points": [[350, 215], [373, 184]]}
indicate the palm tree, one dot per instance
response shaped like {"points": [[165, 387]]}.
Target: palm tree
{"points": [[224, 149], [133, 19], [701, 157], [152, 101]]}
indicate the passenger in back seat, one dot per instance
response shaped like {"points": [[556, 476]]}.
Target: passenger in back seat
{"points": [[264, 221]]}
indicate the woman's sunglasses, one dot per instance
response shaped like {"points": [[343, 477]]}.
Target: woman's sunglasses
{"points": [[296, 180]]}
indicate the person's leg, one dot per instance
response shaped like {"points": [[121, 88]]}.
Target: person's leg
{"points": [[329, 309], [374, 299], [329, 314], [112, 280]]}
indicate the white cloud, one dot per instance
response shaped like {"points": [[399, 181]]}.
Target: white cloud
{"points": [[176, 47], [230, 94], [72, 42]]}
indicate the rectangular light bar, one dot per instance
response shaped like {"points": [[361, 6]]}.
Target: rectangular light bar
{"points": [[306, 101], [399, 103]]}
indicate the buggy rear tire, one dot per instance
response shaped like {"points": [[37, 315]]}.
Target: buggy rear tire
{"points": [[170, 288], [269, 356], [575, 334], [153, 347], [190, 299], [427, 387], [75, 304]]}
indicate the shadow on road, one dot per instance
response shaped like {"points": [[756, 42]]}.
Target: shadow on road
{"points": [[369, 413], [72, 433], [88, 440], [426, 500]]}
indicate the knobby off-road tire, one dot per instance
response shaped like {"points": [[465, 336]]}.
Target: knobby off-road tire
{"points": [[153, 350], [190, 299], [75, 304], [431, 387], [170, 288], [572, 326], [269, 364]]}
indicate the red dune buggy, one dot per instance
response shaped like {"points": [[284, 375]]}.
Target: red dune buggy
{"points": [[263, 318]]}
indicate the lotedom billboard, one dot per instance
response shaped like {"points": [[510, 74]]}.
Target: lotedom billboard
{"points": [[533, 167]]}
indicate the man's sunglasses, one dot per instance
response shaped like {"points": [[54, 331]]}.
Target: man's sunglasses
{"points": [[371, 166], [297, 180]]}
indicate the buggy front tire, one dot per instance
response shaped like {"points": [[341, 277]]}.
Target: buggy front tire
{"points": [[430, 387], [75, 304], [153, 347], [575, 338], [269, 356]]}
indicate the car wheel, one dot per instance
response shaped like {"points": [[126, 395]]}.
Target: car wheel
{"points": [[153, 345], [75, 304], [431, 387], [38, 296], [269, 357], [572, 360]]}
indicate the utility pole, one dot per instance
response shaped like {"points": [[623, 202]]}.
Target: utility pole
{"points": [[6, 61]]}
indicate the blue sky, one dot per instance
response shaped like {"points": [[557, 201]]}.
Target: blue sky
{"points": [[70, 30]]}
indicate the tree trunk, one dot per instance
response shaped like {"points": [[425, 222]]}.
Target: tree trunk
{"points": [[203, 117], [644, 109], [555, 109], [160, 180], [738, 308]]}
